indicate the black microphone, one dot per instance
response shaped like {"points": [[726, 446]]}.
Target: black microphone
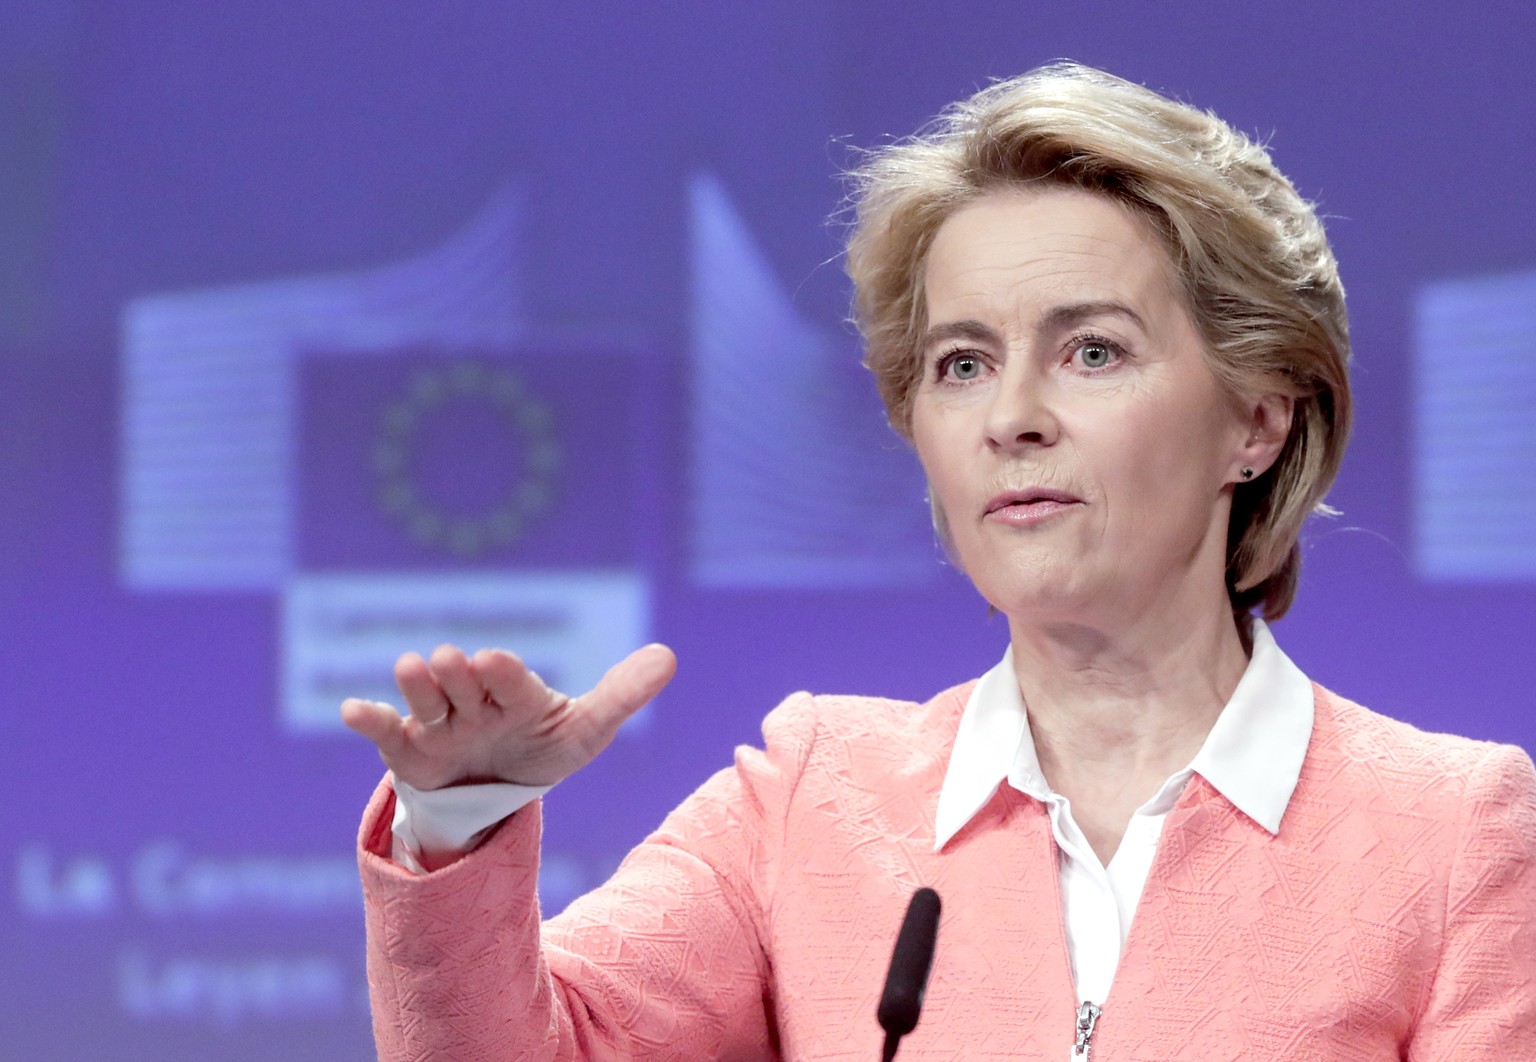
{"points": [[904, 985]]}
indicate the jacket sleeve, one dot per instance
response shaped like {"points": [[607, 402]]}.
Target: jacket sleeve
{"points": [[668, 960], [1483, 1000]]}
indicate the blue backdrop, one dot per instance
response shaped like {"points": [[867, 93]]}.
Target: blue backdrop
{"points": [[337, 329]]}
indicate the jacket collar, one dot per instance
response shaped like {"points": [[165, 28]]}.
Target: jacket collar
{"points": [[1252, 756]]}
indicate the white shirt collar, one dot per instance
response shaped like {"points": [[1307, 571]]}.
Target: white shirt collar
{"points": [[1252, 755]]}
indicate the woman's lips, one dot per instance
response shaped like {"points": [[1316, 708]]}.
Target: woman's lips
{"points": [[1028, 507]]}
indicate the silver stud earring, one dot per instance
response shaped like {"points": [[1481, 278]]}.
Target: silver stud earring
{"points": [[1247, 474]]}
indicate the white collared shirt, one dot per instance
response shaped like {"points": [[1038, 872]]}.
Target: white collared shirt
{"points": [[1252, 756]]}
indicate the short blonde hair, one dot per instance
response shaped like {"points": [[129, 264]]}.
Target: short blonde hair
{"points": [[1261, 281]]}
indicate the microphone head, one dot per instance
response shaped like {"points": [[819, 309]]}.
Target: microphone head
{"points": [[908, 978]]}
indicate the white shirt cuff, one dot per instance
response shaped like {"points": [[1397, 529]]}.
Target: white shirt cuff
{"points": [[452, 819]]}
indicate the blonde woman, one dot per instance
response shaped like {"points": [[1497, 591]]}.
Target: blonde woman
{"points": [[1116, 339]]}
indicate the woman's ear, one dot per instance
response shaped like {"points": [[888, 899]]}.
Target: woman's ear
{"points": [[1269, 425]]}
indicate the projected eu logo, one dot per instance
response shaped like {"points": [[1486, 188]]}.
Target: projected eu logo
{"points": [[421, 479], [397, 458], [448, 496], [391, 456]]}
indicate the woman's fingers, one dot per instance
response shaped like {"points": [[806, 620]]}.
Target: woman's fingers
{"points": [[457, 680], [377, 722], [400, 750], [423, 696], [508, 681], [509, 724], [627, 687]]}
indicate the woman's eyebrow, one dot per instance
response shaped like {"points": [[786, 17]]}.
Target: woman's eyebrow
{"points": [[969, 328], [1075, 313], [1056, 318]]}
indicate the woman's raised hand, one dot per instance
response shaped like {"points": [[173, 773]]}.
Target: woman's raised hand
{"points": [[487, 718]]}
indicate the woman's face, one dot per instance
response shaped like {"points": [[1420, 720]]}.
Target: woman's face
{"points": [[1079, 449]]}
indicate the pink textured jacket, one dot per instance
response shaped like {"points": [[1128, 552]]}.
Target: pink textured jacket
{"points": [[1393, 917]]}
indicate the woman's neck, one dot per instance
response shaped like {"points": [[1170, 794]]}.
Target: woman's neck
{"points": [[1113, 713]]}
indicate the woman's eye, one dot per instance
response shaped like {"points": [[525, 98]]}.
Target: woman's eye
{"points": [[1095, 355], [964, 367]]}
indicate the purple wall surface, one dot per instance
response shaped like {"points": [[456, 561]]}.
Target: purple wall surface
{"points": [[338, 329]]}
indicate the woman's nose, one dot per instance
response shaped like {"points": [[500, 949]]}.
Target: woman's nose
{"points": [[1021, 415]]}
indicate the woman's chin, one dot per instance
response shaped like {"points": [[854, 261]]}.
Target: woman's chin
{"points": [[1042, 603]]}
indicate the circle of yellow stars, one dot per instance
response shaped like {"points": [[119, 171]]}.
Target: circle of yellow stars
{"points": [[429, 396]]}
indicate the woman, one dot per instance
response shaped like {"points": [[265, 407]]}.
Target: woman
{"points": [[1116, 339]]}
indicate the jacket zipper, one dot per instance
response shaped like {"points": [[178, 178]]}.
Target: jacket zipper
{"points": [[1087, 1021]]}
